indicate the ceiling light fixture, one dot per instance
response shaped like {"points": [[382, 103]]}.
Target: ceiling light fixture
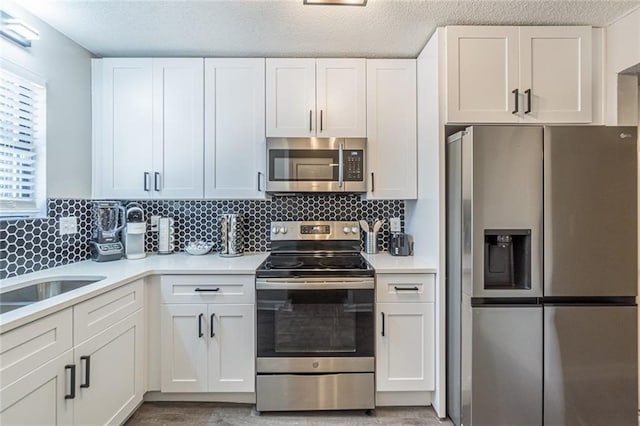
{"points": [[336, 2], [16, 30]]}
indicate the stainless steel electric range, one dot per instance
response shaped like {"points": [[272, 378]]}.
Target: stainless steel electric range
{"points": [[315, 320]]}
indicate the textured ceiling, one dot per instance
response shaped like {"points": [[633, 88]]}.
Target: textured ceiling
{"points": [[384, 28]]}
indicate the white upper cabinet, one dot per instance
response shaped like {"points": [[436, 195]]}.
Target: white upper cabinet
{"points": [[391, 129], [291, 97], [178, 134], [235, 148], [148, 128], [341, 98], [123, 127], [555, 66], [482, 71], [518, 74], [309, 97]]}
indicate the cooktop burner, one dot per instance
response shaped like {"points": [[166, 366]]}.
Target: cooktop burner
{"points": [[313, 264]]}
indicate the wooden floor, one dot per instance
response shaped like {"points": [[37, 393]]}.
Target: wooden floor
{"points": [[208, 413]]}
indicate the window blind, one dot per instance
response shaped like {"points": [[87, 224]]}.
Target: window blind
{"points": [[21, 103]]}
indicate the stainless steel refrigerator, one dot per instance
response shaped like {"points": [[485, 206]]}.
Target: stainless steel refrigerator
{"points": [[542, 274]]}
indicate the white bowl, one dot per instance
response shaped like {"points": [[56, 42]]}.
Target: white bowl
{"points": [[198, 247]]}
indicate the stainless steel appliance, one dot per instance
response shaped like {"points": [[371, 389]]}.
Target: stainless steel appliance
{"points": [[134, 232], [105, 242], [542, 275], [315, 320], [400, 244], [231, 235], [316, 165]]}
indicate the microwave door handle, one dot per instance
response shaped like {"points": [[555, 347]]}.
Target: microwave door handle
{"points": [[340, 166]]}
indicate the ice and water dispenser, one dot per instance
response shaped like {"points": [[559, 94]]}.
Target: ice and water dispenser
{"points": [[507, 259]]}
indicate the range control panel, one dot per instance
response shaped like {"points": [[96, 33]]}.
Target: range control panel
{"points": [[315, 230]]}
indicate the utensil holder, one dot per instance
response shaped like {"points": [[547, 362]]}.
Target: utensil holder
{"points": [[371, 242]]}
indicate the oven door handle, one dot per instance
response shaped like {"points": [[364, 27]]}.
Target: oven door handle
{"points": [[340, 166], [314, 284]]}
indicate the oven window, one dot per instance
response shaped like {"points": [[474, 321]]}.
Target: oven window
{"points": [[298, 323], [303, 165]]}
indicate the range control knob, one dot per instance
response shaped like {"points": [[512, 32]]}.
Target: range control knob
{"points": [[275, 230], [283, 230], [354, 229], [346, 229]]}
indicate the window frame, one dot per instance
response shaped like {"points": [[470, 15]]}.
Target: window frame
{"points": [[40, 133]]}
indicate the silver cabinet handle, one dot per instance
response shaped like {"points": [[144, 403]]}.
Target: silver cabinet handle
{"points": [[146, 181], [340, 163], [156, 181]]}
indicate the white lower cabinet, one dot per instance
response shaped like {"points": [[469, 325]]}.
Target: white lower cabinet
{"points": [[405, 333], [110, 373], [207, 348], [38, 398], [405, 350], [98, 381]]}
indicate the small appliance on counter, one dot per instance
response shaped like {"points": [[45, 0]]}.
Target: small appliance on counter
{"points": [[400, 244], [231, 235], [134, 231], [105, 243], [165, 235]]}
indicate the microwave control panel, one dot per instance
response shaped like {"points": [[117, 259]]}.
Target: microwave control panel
{"points": [[353, 165]]}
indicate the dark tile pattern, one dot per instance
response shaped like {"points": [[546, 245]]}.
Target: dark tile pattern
{"points": [[29, 245], [199, 220], [208, 413]]}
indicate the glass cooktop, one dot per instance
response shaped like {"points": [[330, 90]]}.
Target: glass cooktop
{"points": [[303, 264]]}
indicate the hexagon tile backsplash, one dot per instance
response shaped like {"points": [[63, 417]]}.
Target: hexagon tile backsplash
{"points": [[29, 245]]}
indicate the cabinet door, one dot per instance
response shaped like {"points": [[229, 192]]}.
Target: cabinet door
{"points": [[39, 397], [391, 129], [340, 98], [178, 136], [405, 356], [231, 348], [555, 66], [482, 72], [234, 128], [110, 373], [125, 139], [184, 348], [291, 97]]}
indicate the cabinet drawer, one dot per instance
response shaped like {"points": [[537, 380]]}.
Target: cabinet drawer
{"points": [[208, 289], [405, 287], [34, 344], [97, 314]]}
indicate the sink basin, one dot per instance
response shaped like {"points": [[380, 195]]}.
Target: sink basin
{"points": [[42, 290]]}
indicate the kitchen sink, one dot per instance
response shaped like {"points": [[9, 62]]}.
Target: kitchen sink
{"points": [[42, 290]]}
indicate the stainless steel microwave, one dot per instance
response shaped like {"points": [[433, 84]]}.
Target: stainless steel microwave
{"points": [[316, 165]]}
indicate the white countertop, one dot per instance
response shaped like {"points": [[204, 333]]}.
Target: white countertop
{"points": [[123, 271], [115, 274], [384, 263]]}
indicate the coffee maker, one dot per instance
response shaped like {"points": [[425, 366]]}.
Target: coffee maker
{"points": [[105, 243], [134, 231]]}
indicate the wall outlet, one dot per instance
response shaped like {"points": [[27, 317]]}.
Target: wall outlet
{"points": [[155, 222], [68, 225], [394, 224]]}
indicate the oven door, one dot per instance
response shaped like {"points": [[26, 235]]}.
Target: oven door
{"points": [[315, 165], [315, 326]]}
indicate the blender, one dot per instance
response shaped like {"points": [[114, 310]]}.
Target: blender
{"points": [[105, 243]]}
